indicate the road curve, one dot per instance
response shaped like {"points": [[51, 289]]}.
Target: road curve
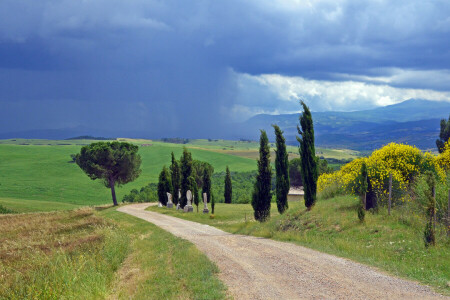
{"points": [[259, 268]]}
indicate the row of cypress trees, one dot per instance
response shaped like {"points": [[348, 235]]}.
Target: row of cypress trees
{"points": [[181, 178], [262, 194]]}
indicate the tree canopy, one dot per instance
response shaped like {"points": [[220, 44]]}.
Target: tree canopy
{"points": [[116, 163]]}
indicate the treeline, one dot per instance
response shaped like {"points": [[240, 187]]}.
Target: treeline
{"points": [[90, 137], [175, 140]]}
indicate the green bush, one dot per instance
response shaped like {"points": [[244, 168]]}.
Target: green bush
{"points": [[4, 210], [148, 193], [331, 191], [419, 191]]}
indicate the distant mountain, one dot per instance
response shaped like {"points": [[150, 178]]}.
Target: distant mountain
{"points": [[414, 122]]}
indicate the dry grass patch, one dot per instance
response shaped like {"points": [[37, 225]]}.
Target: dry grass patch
{"points": [[47, 255]]}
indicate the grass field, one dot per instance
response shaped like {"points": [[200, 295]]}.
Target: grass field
{"points": [[44, 173], [84, 254], [41, 170], [394, 243]]}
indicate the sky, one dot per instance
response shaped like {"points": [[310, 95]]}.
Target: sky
{"points": [[188, 68]]}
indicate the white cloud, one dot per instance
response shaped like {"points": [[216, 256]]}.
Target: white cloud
{"points": [[274, 93]]}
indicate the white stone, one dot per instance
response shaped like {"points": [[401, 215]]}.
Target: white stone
{"points": [[205, 203], [169, 200]]}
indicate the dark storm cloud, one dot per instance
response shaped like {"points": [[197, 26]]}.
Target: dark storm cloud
{"points": [[172, 67]]}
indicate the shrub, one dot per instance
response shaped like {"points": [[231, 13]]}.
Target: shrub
{"points": [[4, 210], [402, 161]]}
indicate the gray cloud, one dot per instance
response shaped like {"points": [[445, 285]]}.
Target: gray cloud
{"points": [[168, 62]]}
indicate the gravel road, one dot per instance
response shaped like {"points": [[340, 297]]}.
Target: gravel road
{"points": [[258, 268]]}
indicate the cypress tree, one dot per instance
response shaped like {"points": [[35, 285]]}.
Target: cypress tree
{"points": [[206, 185], [176, 179], [164, 186], [186, 172], [228, 187], [282, 171], [213, 203], [261, 192], [308, 156], [195, 194], [444, 135]]}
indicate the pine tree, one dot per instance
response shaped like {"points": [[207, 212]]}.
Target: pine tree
{"points": [[206, 185], [176, 179], [282, 171], [228, 187], [186, 172], [261, 193], [308, 156], [164, 186]]}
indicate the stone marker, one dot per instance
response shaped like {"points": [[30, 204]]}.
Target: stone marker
{"points": [[160, 204], [178, 206], [205, 203], [188, 207], [169, 200]]}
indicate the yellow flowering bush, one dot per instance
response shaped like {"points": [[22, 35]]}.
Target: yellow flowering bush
{"points": [[443, 159], [404, 162]]}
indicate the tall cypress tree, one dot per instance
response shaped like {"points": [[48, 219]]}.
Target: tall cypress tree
{"points": [[164, 186], [261, 192], [176, 179], [282, 171], [206, 185], [186, 172], [307, 152], [228, 187]]}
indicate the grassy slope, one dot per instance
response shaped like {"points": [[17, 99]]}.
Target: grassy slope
{"points": [[394, 244], [43, 172], [84, 254]]}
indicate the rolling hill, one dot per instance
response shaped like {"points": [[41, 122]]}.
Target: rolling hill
{"points": [[414, 122]]}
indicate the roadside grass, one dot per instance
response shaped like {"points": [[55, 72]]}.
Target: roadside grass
{"points": [[88, 254], [391, 243], [49, 255], [162, 266]]}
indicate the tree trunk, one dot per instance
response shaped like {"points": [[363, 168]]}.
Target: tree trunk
{"points": [[113, 192]]}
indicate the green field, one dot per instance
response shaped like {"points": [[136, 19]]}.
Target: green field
{"points": [[45, 173], [392, 243], [41, 170]]}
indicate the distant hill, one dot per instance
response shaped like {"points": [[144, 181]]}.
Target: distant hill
{"points": [[414, 122]]}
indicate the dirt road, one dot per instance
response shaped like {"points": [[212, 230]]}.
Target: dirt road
{"points": [[258, 268]]}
